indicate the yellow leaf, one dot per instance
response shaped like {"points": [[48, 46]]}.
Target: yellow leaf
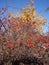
{"points": [[23, 16], [40, 19]]}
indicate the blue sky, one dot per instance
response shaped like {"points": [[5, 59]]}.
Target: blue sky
{"points": [[40, 5]]}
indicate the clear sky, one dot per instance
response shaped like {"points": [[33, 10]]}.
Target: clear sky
{"points": [[40, 5]]}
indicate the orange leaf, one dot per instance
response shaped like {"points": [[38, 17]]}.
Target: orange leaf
{"points": [[30, 45], [11, 45], [34, 22], [47, 46]]}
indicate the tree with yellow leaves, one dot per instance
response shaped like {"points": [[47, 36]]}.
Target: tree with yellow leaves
{"points": [[30, 15]]}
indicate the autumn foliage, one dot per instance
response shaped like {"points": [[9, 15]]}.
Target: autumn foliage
{"points": [[24, 29]]}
